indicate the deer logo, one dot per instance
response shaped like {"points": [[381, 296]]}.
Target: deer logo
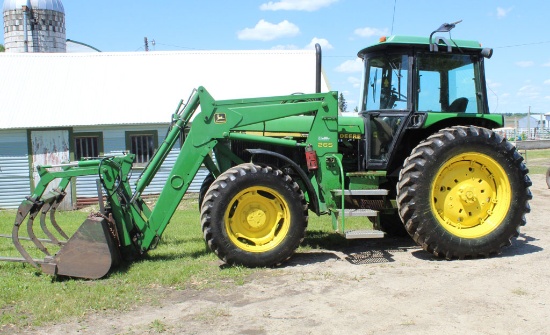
{"points": [[220, 118]]}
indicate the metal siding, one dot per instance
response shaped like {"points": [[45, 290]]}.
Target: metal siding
{"points": [[158, 183], [114, 142], [197, 182], [86, 187], [14, 169], [14, 165]]}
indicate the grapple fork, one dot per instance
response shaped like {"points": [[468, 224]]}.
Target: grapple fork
{"points": [[89, 253]]}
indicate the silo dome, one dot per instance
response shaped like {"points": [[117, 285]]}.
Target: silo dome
{"points": [[15, 4], [54, 5], [41, 28]]}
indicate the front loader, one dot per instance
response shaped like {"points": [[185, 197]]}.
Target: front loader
{"points": [[420, 158]]}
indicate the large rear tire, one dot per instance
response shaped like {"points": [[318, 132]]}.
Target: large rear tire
{"points": [[254, 216], [463, 193]]}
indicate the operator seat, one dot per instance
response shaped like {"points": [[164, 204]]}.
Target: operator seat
{"points": [[459, 105]]}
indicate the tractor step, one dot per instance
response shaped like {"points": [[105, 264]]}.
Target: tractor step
{"points": [[357, 234], [361, 192], [358, 212]]}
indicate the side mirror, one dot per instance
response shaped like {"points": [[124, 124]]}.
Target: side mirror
{"points": [[487, 52]]}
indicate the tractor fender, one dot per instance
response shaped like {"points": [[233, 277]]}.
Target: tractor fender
{"points": [[312, 195]]}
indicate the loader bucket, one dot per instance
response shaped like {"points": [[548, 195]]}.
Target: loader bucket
{"points": [[89, 253]]}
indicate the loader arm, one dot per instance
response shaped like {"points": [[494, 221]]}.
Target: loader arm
{"points": [[212, 127], [126, 227]]}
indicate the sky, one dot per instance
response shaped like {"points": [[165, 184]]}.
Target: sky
{"points": [[518, 74]]}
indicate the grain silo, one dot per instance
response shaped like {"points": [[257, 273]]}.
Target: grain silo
{"points": [[34, 26]]}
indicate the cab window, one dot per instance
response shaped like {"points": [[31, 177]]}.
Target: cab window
{"points": [[446, 83], [387, 82]]}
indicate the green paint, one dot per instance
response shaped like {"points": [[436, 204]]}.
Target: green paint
{"points": [[434, 118]]}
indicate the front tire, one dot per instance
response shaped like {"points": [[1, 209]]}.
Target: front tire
{"points": [[208, 180], [254, 216], [463, 193]]}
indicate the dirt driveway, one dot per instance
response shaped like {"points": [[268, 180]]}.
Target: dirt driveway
{"points": [[377, 287]]}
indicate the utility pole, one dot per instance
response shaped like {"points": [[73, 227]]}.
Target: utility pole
{"points": [[529, 123], [146, 44]]}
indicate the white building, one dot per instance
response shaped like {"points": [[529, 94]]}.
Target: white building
{"points": [[59, 106]]}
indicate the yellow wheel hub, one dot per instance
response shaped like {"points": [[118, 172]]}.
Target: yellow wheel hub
{"points": [[471, 195], [257, 219]]}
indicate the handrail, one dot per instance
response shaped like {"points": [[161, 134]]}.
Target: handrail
{"points": [[342, 176]]}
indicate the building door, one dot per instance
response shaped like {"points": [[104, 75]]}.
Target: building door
{"points": [[51, 147]]}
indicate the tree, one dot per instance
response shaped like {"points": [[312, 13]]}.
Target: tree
{"points": [[342, 104], [2, 49]]}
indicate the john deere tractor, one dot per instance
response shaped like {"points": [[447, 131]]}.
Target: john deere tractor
{"points": [[420, 157]]}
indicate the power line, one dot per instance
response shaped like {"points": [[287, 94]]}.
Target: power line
{"points": [[521, 45], [177, 46]]}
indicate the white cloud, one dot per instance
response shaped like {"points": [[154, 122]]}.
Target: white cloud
{"points": [[266, 31], [324, 43], [350, 66], [529, 91], [503, 12], [525, 63], [547, 82], [304, 5], [285, 47], [369, 32], [546, 64], [356, 82]]}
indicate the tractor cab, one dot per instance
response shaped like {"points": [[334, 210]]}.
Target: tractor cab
{"points": [[408, 78]]}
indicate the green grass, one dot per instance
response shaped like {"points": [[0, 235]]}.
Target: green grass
{"points": [[29, 298], [538, 161]]}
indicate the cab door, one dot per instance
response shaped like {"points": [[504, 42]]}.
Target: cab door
{"points": [[387, 105], [383, 129]]}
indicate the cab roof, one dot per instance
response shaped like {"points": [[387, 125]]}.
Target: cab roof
{"points": [[400, 42]]}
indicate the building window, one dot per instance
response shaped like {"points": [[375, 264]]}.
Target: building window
{"points": [[87, 145], [142, 144]]}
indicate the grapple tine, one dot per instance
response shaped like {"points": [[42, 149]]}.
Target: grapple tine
{"points": [[45, 229], [52, 215], [26, 207], [30, 230]]}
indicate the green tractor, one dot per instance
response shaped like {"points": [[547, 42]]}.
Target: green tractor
{"points": [[420, 157]]}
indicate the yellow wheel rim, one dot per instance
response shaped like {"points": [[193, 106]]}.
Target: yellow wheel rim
{"points": [[471, 195], [257, 219]]}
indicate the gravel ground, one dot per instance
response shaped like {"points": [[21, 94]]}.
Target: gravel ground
{"points": [[387, 286]]}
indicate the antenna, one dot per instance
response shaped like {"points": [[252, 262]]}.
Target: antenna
{"points": [[146, 44], [393, 17]]}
